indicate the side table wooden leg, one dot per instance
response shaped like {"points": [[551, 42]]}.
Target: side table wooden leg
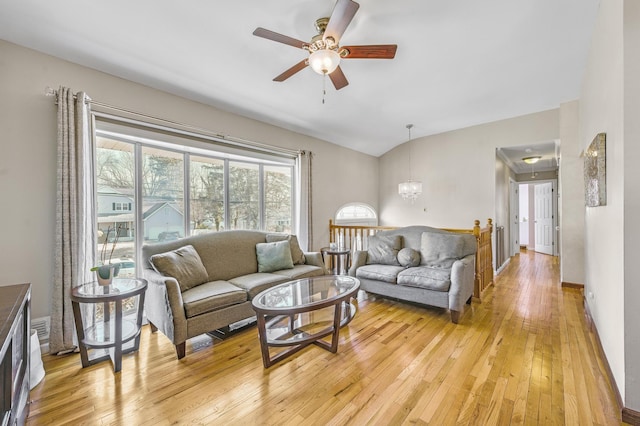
{"points": [[141, 297], [77, 316], [117, 356]]}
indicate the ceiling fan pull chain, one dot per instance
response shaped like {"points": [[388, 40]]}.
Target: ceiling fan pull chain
{"points": [[324, 86]]}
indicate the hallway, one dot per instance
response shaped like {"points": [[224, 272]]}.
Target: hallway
{"points": [[549, 344]]}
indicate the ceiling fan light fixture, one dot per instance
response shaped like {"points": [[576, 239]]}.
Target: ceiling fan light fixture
{"points": [[324, 61], [532, 160]]}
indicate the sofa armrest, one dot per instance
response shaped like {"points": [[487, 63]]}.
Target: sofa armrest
{"points": [[315, 258], [359, 259], [164, 306], [462, 281]]}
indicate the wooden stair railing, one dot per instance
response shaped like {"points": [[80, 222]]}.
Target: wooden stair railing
{"points": [[355, 238]]}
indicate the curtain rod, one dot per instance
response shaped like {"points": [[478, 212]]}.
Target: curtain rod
{"points": [[51, 92]]}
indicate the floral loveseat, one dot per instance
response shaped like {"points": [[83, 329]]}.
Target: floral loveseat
{"points": [[419, 264], [206, 282]]}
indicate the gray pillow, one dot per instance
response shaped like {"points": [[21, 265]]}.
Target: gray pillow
{"points": [[408, 257], [274, 256], [297, 255], [183, 264], [440, 250], [383, 249]]}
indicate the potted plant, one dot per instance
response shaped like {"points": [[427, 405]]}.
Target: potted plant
{"points": [[106, 271]]}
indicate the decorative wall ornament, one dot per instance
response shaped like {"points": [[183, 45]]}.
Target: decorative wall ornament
{"points": [[595, 172]]}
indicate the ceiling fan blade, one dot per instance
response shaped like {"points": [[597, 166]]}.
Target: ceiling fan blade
{"points": [[340, 19], [373, 51], [338, 79], [291, 71], [280, 38]]}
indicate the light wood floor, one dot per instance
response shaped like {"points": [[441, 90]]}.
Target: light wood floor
{"points": [[522, 356]]}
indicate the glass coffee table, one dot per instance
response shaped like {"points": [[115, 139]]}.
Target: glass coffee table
{"points": [[303, 312]]}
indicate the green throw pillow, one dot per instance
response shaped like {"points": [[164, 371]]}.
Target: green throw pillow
{"points": [[297, 255], [183, 264], [274, 256]]}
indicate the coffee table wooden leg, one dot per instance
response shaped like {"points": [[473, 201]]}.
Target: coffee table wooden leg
{"points": [[335, 336], [264, 346]]}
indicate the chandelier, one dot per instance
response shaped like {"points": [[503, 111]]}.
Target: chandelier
{"points": [[410, 189]]}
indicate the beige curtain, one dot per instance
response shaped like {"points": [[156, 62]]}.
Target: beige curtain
{"points": [[305, 211], [75, 217]]}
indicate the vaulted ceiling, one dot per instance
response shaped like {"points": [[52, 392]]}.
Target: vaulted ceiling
{"points": [[458, 63]]}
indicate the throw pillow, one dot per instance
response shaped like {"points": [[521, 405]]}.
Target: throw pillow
{"points": [[408, 257], [297, 255], [274, 256], [440, 250], [183, 264], [383, 249]]}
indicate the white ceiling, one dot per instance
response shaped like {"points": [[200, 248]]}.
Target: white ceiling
{"points": [[459, 62]]}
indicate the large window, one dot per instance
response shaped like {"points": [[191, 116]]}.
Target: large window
{"points": [[168, 190]]}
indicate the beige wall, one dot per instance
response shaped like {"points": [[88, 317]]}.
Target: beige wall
{"points": [[457, 170], [28, 160], [601, 110], [631, 24], [571, 197]]}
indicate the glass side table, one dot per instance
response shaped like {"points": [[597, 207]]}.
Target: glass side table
{"points": [[101, 334]]}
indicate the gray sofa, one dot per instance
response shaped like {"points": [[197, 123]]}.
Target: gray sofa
{"points": [[206, 282], [419, 264]]}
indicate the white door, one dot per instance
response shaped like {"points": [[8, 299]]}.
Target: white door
{"points": [[544, 218], [514, 214]]}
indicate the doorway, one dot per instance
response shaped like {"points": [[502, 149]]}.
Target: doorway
{"points": [[538, 205]]}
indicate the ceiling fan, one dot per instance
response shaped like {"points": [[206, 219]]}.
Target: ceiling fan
{"points": [[324, 49]]}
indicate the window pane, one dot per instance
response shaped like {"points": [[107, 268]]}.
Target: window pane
{"points": [[356, 214], [207, 195], [244, 205], [277, 198], [163, 195], [115, 197]]}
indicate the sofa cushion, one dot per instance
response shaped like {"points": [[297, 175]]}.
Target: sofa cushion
{"points": [[408, 257], [426, 277], [274, 256], [183, 264], [211, 296], [383, 249], [386, 273], [300, 271], [441, 250], [255, 283], [297, 255]]}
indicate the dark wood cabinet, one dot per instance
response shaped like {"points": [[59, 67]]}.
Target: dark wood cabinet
{"points": [[15, 339]]}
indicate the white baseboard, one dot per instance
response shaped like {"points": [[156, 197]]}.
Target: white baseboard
{"points": [[504, 265]]}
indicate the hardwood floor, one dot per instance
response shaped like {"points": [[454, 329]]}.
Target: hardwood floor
{"points": [[522, 356]]}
